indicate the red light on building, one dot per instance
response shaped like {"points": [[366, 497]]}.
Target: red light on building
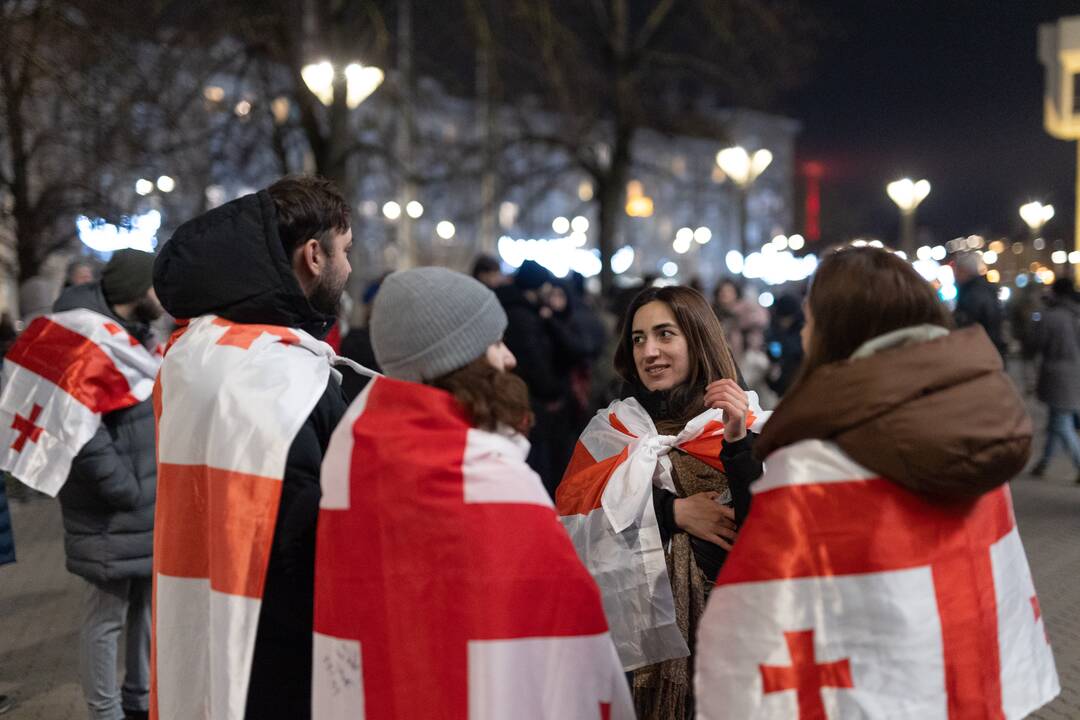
{"points": [[813, 172]]}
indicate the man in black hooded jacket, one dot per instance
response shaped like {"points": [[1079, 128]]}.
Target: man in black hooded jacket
{"points": [[277, 257]]}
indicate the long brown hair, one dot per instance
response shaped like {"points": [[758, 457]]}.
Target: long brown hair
{"points": [[489, 396], [859, 293], [709, 355]]}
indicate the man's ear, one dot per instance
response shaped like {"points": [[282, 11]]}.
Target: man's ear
{"points": [[307, 260]]}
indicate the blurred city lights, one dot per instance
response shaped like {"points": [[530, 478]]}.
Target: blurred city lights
{"points": [[560, 225], [907, 194], [766, 299], [580, 224], [1059, 257], [670, 269], [1074, 257], [445, 229], [702, 235], [684, 234], [1035, 214], [414, 209], [742, 167], [557, 255], [993, 276], [140, 233], [243, 108], [938, 252], [796, 242], [166, 184], [360, 82], [734, 261], [1038, 244], [990, 257], [144, 186], [391, 210], [622, 259], [681, 245], [1005, 292]]}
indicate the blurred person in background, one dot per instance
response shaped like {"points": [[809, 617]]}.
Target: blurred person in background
{"points": [[80, 271], [488, 270], [744, 319], [977, 300], [542, 337], [881, 539], [784, 343], [677, 466], [1055, 338]]}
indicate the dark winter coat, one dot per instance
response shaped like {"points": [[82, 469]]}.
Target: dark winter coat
{"points": [[230, 262], [7, 536], [108, 500], [1056, 338], [546, 350], [977, 304]]}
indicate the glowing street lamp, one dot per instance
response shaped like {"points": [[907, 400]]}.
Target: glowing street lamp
{"points": [[359, 80], [907, 194], [743, 168], [1035, 215]]}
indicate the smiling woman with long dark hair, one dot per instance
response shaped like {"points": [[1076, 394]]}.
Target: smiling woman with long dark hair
{"points": [[676, 452]]}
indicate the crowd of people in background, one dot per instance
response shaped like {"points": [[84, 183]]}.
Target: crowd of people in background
{"points": [[571, 354]]}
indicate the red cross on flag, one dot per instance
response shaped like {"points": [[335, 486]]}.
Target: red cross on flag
{"points": [[229, 402], [847, 596], [605, 503], [63, 373], [445, 588]]}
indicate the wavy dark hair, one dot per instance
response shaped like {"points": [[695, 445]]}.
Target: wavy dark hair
{"points": [[308, 206], [490, 397], [859, 293], [709, 354]]}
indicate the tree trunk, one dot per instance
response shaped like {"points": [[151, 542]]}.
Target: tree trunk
{"points": [[611, 194]]}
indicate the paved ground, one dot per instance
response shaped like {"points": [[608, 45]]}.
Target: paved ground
{"points": [[40, 601]]}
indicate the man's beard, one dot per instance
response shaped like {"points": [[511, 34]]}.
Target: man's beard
{"points": [[326, 295], [146, 310]]}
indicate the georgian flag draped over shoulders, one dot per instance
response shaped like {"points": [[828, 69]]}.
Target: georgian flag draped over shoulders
{"points": [[847, 596], [63, 373], [605, 503], [445, 588], [230, 400]]}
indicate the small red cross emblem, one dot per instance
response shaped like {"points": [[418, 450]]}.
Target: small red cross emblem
{"points": [[115, 329], [243, 335], [805, 675], [26, 428]]}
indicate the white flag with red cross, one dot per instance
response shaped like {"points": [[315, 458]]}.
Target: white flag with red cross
{"points": [[62, 374], [445, 588], [847, 596], [229, 401], [605, 503]]}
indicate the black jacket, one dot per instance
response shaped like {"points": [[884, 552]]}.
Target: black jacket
{"points": [[230, 262], [977, 303], [108, 500], [7, 537]]}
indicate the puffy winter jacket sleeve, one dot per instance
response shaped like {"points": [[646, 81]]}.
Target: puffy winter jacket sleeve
{"points": [[103, 471]]}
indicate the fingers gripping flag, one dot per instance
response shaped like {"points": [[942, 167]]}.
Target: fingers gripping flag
{"points": [[445, 587], [847, 596], [605, 503], [63, 373]]}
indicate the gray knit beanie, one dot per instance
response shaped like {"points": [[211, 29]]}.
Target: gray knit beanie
{"points": [[429, 321]]}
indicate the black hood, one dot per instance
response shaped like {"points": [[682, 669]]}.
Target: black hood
{"points": [[91, 297], [230, 262]]}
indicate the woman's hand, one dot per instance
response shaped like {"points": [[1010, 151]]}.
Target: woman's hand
{"points": [[703, 517], [729, 397]]}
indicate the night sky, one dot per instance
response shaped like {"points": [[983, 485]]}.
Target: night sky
{"points": [[946, 90]]}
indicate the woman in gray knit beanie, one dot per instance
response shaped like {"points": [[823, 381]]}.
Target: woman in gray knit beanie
{"points": [[438, 327]]}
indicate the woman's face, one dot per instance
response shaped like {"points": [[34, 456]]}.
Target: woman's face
{"points": [[807, 329], [661, 355], [500, 357]]}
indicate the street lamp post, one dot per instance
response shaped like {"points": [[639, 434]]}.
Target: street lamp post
{"points": [[907, 194], [743, 168], [1035, 215]]}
